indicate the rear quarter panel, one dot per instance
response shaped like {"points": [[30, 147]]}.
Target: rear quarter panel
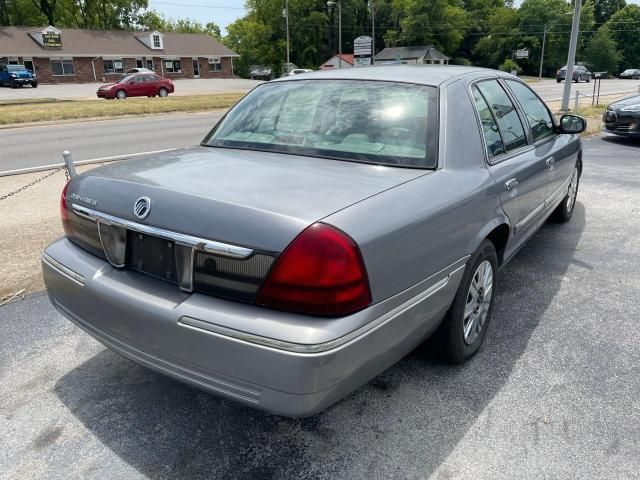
{"points": [[419, 228]]}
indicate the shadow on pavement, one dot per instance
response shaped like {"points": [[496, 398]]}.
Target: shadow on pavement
{"points": [[623, 141], [402, 424]]}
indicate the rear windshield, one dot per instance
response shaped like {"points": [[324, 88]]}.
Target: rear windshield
{"points": [[374, 122]]}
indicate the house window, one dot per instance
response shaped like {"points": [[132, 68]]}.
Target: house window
{"points": [[139, 63], [215, 65], [113, 66], [150, 63], [62, 67], [172, 66], [156, 41], [13, 61]]}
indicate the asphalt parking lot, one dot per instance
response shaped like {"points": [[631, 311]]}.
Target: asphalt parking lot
{"points": [[553, 394]]}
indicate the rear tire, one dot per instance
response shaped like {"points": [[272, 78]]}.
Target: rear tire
{"points": [[564, 211], [558, 80], [465, 325], [121, 94]]}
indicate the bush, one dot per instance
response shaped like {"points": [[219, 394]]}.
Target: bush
{"points": [[508, 65], [461, 61]]}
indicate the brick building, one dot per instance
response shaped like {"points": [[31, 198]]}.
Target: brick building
{"points": [[74, 55]]}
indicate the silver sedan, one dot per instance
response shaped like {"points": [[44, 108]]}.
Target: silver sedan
{"points": [[325, 227]]}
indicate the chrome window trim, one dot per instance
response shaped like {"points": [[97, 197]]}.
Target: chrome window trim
{"points": [[209, 246], [219, 330], [62, 270]]}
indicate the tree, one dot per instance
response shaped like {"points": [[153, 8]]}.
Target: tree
{"points": [[623, 26], [602, 52], [604, 9]]}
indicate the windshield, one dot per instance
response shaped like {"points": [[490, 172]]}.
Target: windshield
{"points": [[375, 122], [15, 68]]}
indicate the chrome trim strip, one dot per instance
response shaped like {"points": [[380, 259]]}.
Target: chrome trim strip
{"points": [[528, 218], [219, 330], [205, 245], [559, 191], [62, 270]]}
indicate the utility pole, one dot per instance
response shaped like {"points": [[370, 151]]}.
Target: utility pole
{"points": [[338, 3], [571, 58], [286, 16], [373, 30], [544, 38]]}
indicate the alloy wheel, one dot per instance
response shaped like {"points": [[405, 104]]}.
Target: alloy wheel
{"points": [[573, 190], [478, 302]]}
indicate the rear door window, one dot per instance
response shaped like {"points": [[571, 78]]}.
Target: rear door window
{"points": [[535, 110], [505, 113], [490, 129]]}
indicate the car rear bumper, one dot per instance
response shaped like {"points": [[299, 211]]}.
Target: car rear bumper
{"points": [[191, 337]]}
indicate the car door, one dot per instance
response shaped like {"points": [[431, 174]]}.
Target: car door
{"points": [[136, 86], [549, 147], [520, 175]]}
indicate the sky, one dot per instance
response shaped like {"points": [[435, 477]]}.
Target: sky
{"points": [[221, 12]]}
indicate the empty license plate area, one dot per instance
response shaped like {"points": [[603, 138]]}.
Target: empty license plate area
{"points": [[152, 255]]}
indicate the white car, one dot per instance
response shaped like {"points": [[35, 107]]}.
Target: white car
{"points": [[298, 71]]}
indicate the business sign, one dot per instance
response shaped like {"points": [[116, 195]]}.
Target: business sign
{"points": [[362, 46], [522, 53], [51, 40], [362, 61]]}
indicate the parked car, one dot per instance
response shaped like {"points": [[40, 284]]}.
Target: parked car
{"points": [[15, 76], [631, 73], [298, 71], [137, 85], [580, 73], [138, 70], [623, 117], [326, 226]]}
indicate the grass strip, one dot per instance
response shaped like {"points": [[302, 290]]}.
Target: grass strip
{"points": [[38, 112]]}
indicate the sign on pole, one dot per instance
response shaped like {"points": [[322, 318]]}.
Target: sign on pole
{"points": [[522, 53], [362, 51]]}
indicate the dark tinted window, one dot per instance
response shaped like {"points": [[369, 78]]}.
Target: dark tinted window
{"points": [[535, 110], [505, 113], [489, 125], [376, 122]]}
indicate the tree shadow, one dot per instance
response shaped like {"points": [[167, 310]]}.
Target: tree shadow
{"points": [[624, 141], [402, 424]]}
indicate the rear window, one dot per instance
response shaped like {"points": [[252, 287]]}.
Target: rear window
{"points": [[374, 122]]}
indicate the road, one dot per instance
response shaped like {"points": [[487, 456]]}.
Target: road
{"points": [[553, 393], [550, 90], [36, 146], [87, 91]]}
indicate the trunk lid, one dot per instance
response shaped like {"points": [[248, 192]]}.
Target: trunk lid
{"points": [[246, 198]]}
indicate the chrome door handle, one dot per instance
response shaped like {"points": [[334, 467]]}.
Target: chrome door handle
{"points": [[509, 184], [550, 161]]}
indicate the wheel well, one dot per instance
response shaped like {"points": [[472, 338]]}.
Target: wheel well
{"points": [[499, 237]]}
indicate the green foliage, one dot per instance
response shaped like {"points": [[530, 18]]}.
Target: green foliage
{"points": [[602, 52], [625, 30], [510, 65], [604, 9]]}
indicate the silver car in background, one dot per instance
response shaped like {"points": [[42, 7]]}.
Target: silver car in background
{"points": [[327, 225]]}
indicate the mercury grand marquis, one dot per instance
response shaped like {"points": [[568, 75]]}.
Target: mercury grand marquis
{"points": [[325, 227]]}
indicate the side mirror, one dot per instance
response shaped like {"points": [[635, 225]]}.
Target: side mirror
{"points": [[572, 124]]}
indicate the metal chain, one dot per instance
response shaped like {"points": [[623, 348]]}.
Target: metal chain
{"points": [[36, 181]]}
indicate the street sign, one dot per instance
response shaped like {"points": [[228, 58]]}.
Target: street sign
{"points": [[522, 53], [362, 46]]}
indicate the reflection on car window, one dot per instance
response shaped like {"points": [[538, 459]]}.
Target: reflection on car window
{"points": [[536, 112], [489, 125], [376, 122], [505, 112]]}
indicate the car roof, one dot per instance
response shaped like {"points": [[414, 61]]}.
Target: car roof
{"points": [[433, 75]]}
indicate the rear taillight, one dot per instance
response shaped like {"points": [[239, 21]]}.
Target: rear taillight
{"points": [[320, 273], [64, 213]]}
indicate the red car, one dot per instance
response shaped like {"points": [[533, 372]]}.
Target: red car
{"points": [[137, 85]]}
